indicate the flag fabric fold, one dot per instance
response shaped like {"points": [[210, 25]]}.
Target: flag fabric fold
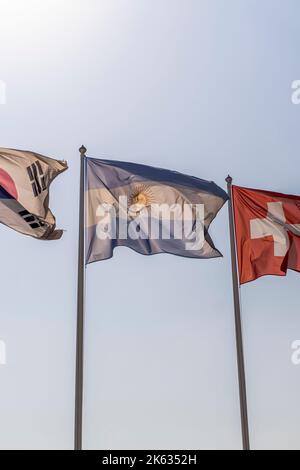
{"points": [[149, 210], [25, 179], [267, 226]]}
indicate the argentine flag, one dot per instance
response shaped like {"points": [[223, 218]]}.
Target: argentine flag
{"points": [[150, 210]]}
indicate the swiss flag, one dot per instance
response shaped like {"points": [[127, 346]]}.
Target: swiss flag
{"points": [[267, 229]]}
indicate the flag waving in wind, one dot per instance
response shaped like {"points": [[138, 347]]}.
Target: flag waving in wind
{"points": [[25, 178], [149, 210], [267, 227]]}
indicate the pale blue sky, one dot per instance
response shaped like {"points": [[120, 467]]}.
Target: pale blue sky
{"points": [[200, 86]]}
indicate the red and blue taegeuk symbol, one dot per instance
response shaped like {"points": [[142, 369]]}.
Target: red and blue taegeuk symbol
{"points": [[8, 188]]}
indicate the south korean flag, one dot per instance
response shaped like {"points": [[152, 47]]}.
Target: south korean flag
{"points": [[25, 178]]}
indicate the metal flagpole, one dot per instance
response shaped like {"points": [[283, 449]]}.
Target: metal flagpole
{"points": [[238, 324], [80, 310]]}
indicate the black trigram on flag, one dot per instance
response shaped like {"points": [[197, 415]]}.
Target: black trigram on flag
{"points": [[37, 178], [31, 219]]}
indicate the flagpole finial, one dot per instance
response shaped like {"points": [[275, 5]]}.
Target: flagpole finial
{"points": [[228, 179], [82, 150]]}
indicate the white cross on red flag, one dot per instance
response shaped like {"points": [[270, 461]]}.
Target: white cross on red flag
{"points": [[267, 227]]}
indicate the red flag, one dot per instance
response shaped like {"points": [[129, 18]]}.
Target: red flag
{"points": [[267, 229]]}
